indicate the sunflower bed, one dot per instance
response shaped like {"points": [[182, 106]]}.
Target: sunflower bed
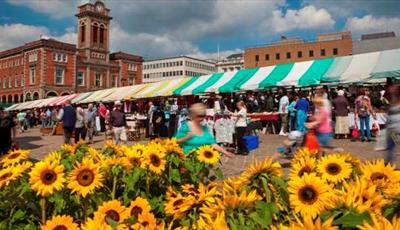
{"points": [[155, 186]]}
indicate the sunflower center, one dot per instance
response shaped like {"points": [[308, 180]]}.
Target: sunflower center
{"points": [[333, 168], [140, 151], [60, 227], [85, 177], [145, 223], [134, 161], [304, 170], [155, 160], [13, 156], [208, 154], [378, 176], [48, 177], [113, 215], [178, 202], [136, 210], [5, 176], [308, 195]]}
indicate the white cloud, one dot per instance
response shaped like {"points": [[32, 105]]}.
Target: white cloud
{"points": [[214, 55], [307, 17], [371, 24], [12, 35], [55, 8]]}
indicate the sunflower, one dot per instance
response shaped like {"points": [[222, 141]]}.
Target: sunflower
{"points": [[392, 190], [60, 223], [24, 166], [206, 193], [14, 157], [172, 147], [355, 162], [206, 222], [9, 174], [304, 152], [309, 195], [114, 148], [85, 177], [111, 210], [139, 206], [170, 193], [379, 174], [208, 155], [381, 224], [47, 178], [334, 168], [303, 165], [134, 155], [67, 148], [53, 156], [155, 158], [109, 162], [146, 220], [309, 224], [244, 199], [96, 224], [362, 196], [178, 206], [95, 155], [268, 166]]}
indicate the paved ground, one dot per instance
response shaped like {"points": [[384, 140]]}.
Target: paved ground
{"points": [[41, 145]]}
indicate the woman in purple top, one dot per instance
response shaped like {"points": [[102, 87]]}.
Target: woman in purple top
{"points": [[302, 107]]}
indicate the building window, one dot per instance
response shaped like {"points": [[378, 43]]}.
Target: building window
{"points": [[83, 33], [113, 80], [277, 56], [131, 79], [311, 53], [32, 75], [59, 57], [132, 67], [32, 57], [59, 76], [4, 83], [257, 58], [288, 55], [10, 82], [80, 79], [94, 34], [101, 35], [267, 57], [335, 51], [299, 54], [322, 52], [16, 81], [98, 80]]}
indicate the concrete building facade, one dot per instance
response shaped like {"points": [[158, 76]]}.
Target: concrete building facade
{"points": [[376, 42], [47, 67], [175, 67], [295, 50], [231, 63]]}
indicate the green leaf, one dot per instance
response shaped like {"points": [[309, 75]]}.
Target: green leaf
{"points": [[18, 215], [218, 172], [175, 175], [352, 219]]}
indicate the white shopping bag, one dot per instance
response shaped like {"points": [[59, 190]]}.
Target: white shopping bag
{"points": [[98, 126]]}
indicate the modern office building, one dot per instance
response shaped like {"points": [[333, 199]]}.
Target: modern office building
{"points": [[231, 63], [175, 67], [294, 50], [48, 67]]}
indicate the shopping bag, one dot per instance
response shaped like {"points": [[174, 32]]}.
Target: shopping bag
{"points": [[375, 128], [355, 133], [311, 141]]}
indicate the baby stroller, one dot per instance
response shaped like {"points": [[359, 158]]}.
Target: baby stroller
{"points": [[294, 141]]}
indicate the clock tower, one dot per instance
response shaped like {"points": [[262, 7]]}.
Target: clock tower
{"points": [[93, 31]]}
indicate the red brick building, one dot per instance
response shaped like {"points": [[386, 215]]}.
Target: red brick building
{"points": [[48, 67]]}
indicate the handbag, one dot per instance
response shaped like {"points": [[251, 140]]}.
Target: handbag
{"points": [[355, 133], [311, 141]]}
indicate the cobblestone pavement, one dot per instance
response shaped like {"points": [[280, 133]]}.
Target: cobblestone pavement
{"points": [[41, 145]]}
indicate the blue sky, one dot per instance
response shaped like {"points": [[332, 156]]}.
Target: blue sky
{"points": [[160, 28]]}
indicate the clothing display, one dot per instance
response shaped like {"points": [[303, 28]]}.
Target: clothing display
{"points": [[224, 130]]}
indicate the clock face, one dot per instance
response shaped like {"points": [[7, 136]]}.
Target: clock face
{"points": [[99, 8]]}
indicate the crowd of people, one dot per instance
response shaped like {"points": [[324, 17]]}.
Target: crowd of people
{"points": [[323, 110]]}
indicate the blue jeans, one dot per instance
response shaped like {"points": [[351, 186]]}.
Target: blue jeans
{"points": [[364, 127], [324, 138], [390, 157], [301, 120]]}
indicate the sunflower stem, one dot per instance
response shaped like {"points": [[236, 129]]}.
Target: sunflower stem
{"points": [[43, 209], [114, 187], [147, 185]]}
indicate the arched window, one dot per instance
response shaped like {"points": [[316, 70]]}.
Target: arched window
{"points": [[10, 98], [82, 33], [95, 30], [3, 99], [28, 97], [35, 96], [16, 98], [102, 34]]}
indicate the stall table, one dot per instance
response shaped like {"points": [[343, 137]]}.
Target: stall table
{"points": [[271, 119]]}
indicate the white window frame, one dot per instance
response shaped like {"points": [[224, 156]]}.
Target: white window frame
{"points": [[10, 82], [78, 78], [16, 82], [56, 77], [32, 75], [100, 80]]}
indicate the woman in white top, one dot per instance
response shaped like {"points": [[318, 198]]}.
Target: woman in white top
{"points": [[241, 127]]}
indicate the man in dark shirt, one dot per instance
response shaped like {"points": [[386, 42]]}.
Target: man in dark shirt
{"points": [[118, 123], [68, 117], [8, 132]]}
